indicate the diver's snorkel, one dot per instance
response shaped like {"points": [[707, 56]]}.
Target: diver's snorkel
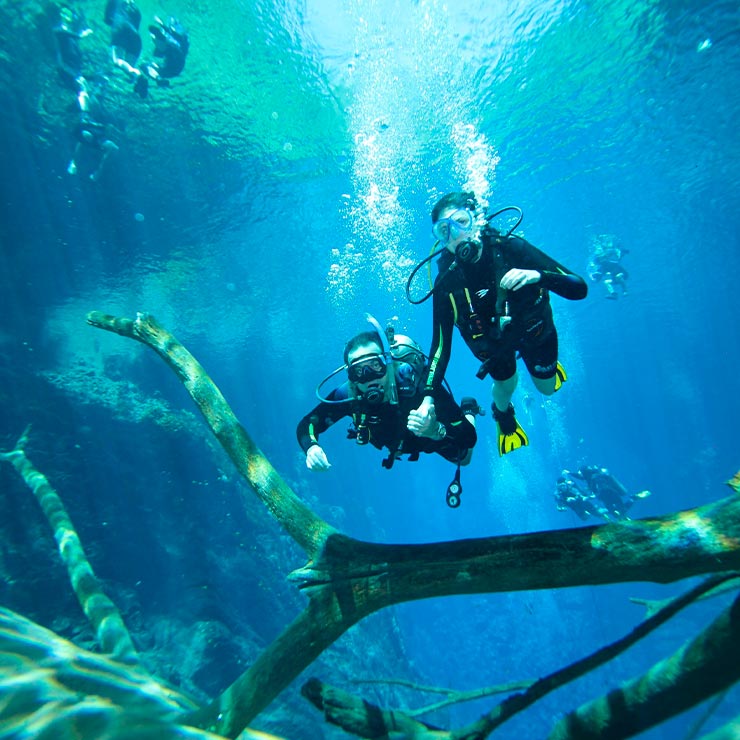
{"points": [[388, 357]]}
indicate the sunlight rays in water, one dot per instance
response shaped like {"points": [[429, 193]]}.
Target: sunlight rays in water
{"points": [[402, 111]]}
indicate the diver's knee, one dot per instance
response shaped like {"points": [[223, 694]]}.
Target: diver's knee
{"points": [[546, 386]]}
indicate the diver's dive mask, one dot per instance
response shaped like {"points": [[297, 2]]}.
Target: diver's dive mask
{"points": [[366, 369], [459, 222]]}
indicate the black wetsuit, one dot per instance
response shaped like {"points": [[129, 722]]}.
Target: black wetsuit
{"points": [[94, 124], [607, 489], [385, 425], [124, 18], [171, 44], [69, 55], [495, 323]]}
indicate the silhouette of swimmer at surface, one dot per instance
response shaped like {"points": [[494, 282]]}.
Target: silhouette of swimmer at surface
{"points": [[171, 47], [69, 29], [124, 19], [93, 130]]}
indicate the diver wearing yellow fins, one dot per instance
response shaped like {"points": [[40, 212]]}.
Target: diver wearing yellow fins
{"points": [[495, 288]]}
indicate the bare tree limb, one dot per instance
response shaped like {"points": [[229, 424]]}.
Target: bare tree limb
{"points": [[351, 712], [706, 665], [110, 629], [730, 731], [654, 605], [363, 719], [452, 696], [347, 579], [307, 529]]}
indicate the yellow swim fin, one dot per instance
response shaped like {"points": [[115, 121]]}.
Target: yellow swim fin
{"points": [[509, 442], [510, 434], [560, 376]]}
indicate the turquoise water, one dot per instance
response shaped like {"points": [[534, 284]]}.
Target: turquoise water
{"points": [[275, 193]]}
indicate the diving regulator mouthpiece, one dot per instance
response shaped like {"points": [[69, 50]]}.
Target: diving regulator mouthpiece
{"points": [[468, 251]]}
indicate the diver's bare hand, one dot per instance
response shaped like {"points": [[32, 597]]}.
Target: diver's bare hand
{"points": [[423, 421], [517, 278], [316, 459]]}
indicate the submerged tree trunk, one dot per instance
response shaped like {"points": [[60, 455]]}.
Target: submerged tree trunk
{"points": [[703, 667], [106, 620], [346, 579]]}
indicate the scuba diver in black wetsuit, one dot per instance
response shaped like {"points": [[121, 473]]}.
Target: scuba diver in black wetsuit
{"points": [[68, 30], [495, 288], [594, 490], [606, 265], [384, 387], [574, 495], [171, 46], [94, 130], [606, 488], [124, 19]]}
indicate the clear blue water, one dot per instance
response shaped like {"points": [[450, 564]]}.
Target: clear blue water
{"points": [[278, 191]]}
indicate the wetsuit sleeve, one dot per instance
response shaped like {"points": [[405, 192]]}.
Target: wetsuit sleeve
{"points": [[461, 434], [439, 355], [555, 277], [319, 419]]}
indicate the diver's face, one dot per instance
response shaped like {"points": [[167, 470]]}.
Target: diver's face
{"points": [[367, 367], [454, 225]]}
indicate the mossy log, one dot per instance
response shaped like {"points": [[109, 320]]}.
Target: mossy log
{"points": [[106, 620], [364, 719], [359, 717], [452, 696], [307, 529], [705, 666], [52, 688], [730, 731], [347, 579]]}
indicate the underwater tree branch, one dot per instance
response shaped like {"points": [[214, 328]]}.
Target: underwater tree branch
{"points": [[353, 579], [346, 710], [516, 703], [110, 630], [703, 667], [452, 696], [662, 550], [307, 529], [654, 605], [279, 664], [347, 579], [364, 719], [730, 731]]}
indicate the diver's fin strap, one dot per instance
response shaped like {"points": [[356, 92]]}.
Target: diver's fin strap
{"points": [[560, 376]]}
